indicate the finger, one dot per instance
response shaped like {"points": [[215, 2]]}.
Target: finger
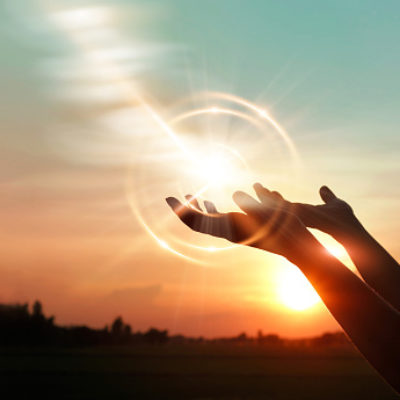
{"points": [[248, 204], [188, 216], [196, 220], [267, 197], [270, 218], [277, 195], [183, 212], [275, 208], [264, 195], [193, 201], [175, 204], [210, 207], [326, 194]]}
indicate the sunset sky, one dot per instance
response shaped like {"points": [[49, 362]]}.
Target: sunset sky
{"points": [[82, 155]]}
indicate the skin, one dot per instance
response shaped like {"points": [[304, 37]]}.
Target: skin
{"points": [[336, 218], [273, 224]]}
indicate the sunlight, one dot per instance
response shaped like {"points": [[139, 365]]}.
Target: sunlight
{"points": [[294, 291], [217, 136], [218, 169], [336, 250]]}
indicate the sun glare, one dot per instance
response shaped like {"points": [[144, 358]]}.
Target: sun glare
{"points": [[295, 292], [336, 250], [217, 169]]}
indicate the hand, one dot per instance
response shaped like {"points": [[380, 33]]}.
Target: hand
{"points": [[335, 217], [262, 225]]}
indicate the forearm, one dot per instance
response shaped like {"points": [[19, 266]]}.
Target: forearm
{"points": [[372, 325], [377, 267]]}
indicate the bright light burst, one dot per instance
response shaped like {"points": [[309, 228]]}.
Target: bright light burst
{"points": [[222, 153], [294, 291], [208, 145], [216, 169]]}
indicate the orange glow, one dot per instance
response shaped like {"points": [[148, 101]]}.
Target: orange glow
{"points": [[294, 291], [336, 250]]}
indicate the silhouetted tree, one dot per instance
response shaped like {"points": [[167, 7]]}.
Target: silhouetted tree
{"points": [[20, 327], [121, 333], [242, 337], [154, 336], [117, 327], [37, 309], [127, 330], [331, 339]]}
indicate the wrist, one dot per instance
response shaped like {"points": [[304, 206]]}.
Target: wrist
{"points": [[315, 261], [350, 230], [307, 252]]}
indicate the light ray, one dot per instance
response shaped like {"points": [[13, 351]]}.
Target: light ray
{"points": [[78, 30]]}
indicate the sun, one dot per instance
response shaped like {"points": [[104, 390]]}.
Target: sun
{"points": [[294, 291], [217, 168]]}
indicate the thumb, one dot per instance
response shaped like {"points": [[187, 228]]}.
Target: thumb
{"points": [[326, 194], [247, 204]]}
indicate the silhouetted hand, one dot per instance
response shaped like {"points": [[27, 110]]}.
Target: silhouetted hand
{"points": [[366, 312], [335, 217], [266, 225]]}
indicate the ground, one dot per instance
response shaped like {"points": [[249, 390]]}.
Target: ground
{"points": [[190, 371]]}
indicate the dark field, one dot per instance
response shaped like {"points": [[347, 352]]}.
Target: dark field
{"points": [[198, 371]]}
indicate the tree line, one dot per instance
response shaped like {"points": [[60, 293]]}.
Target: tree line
{"points": [[24, 326], [21, 326]]}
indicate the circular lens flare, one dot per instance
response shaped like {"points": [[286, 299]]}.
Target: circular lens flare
{"points": [[212, 151]]}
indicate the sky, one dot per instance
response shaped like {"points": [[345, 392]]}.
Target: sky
{"points": [[86, 164]]}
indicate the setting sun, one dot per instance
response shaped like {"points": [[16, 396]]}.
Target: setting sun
{"points": [[294, 291]]}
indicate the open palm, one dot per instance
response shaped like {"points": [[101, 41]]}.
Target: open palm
{"points": [[264, 226], [333, 217]]}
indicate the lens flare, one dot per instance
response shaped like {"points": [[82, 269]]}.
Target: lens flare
{"points": [[221, 153], [207, 145]]}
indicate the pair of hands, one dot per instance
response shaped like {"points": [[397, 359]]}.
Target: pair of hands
{"points": [[270, 223]]}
